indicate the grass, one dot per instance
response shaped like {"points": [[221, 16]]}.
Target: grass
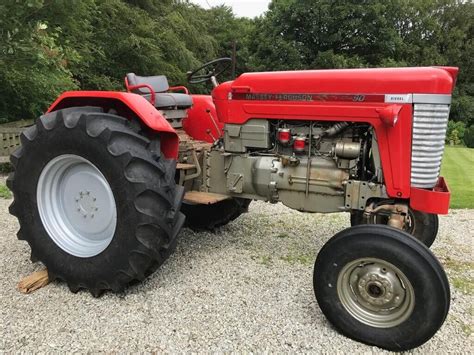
{"points": [[5, 192], [307, 259], [463, 284], [458, 169]]}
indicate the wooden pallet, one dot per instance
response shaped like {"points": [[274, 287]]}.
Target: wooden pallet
{"points": [[10, 138], [9, 141]]}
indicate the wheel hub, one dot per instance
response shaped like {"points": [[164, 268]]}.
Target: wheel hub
{"points": [[375, 292], [86, 204], [377, 287], [76, 206]]}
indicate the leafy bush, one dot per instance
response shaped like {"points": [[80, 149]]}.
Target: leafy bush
{"points": [[455, 132], [462, 108], [5, 168], [469, 137]]}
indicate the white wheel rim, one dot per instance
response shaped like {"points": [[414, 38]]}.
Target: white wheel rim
{"points": [[76, 206]]}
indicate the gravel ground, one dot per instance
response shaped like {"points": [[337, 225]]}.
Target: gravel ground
{"points": [[247, 287]]}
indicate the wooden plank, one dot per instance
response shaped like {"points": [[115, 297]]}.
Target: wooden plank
{"points": [[34, 281], [181, 166], [204, 198]]}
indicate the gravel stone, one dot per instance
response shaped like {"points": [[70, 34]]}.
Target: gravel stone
{"points": [[245, 288]]}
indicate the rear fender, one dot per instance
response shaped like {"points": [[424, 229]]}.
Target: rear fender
{"points": [[131, 106]]}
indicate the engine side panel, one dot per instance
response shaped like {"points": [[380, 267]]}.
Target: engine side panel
{"points": [[318, 176], [394, 142]]}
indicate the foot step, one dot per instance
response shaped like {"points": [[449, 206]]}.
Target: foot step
{"points": [[204, 198]]}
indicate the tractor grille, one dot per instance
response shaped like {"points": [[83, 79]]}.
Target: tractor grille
{"points": [[429, 132]]}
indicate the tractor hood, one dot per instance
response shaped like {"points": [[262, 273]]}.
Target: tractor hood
{"points": [[423, 80]]}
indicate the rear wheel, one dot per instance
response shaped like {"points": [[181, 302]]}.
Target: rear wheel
{"points": [[95, 200], [210, 217], [422, 226], [380, 286]]}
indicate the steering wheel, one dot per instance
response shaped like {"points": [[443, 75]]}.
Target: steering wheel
{"points": [[209, 70]]}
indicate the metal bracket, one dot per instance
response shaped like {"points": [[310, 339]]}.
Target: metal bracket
{"points": [[359, 192], [183, 176], [235, 182]]}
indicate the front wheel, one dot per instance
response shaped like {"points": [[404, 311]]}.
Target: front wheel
{"points": [[378, 285]]}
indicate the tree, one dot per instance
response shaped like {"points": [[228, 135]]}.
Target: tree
{"points": [[34, 67], [47, 47], [315, 34]]}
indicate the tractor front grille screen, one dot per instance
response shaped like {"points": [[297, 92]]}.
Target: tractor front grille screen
{"points": [[429, 133]]}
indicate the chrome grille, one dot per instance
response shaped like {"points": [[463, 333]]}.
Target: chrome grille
{"points": [[429, 132]]}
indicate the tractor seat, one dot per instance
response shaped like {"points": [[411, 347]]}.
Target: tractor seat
{"points": [[163, 99]]}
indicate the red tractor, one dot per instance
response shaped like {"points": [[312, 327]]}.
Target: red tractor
{"points": [[104, 182]]}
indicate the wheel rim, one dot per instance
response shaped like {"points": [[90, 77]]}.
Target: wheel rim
{"points": [[375, 292], [76, 206]]}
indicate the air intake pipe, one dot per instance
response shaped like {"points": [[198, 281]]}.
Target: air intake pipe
{"points": [[337, 128]]}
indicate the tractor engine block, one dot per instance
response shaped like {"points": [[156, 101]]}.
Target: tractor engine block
{"points": [[306, 165]]}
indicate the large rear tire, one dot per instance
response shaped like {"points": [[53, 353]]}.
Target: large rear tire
{"points": [[210, 217], [380, 286], [95, 200]]}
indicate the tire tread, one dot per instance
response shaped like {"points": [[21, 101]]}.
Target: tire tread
{"points": [[159, 186]]}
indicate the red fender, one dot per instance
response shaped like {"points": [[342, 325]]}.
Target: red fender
{"points": [[127, 105]]}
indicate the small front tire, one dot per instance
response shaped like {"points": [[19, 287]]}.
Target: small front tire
{"points": [[380, 286]]}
